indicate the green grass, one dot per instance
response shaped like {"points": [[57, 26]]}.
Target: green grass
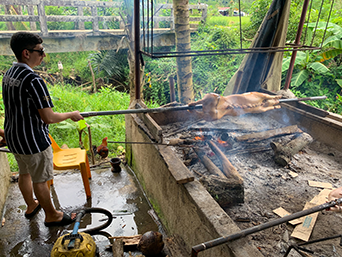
{"points": [[67, 98], [230, 21]]}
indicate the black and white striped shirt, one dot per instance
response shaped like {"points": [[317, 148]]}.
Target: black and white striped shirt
{"points": [[24, 92]]}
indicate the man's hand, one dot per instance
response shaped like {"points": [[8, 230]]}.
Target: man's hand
{"points": [[76, 116], [216, 106], [333, 195]]}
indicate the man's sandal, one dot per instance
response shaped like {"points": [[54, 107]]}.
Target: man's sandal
{"points": [[66, 220]]}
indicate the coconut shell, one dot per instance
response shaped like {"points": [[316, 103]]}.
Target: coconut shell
{"points": [[151, 243]]}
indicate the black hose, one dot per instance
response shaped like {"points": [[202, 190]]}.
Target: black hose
{"points": [[93, 231]]}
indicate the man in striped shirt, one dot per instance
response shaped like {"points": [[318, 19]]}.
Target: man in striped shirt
{"points": [[28, 111]]}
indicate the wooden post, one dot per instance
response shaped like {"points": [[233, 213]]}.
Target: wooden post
{"points": [[93, 76], [172, 89], [204, 14], [30, 11], [10, 25], [95, 19], [80, 24], [157, 14], [42, 19], [172, 23], [91, 145]]}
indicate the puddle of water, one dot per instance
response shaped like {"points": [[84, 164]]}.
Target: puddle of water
{"points": [[118, 193]]}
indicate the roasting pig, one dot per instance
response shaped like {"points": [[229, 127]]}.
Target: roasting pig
{"points": [[214, 106]]}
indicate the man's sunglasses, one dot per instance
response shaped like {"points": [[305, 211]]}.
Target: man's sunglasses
{"points": [[41, 51]]}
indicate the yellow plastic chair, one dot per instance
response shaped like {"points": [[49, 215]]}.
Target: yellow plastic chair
{"points": [[73, 158]]}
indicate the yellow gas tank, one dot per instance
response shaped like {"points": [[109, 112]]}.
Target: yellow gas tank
{"points": [[84, 246]]}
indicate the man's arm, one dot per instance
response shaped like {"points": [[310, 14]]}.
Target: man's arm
{"points": [[49, 116]]}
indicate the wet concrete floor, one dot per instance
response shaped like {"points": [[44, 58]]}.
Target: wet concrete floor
{"points": [[118, 193]]}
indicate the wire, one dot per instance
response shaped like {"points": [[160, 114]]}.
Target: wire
{"points": [[150, 23]]}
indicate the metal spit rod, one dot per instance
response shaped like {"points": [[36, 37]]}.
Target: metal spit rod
{"points": [[180, 108], [215, 242], [172, 142], [130, 111], [302, 99], [137, 143]]}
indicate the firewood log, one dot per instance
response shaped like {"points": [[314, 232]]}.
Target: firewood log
{"points": [[227, 168], [259, 136], [284, 153]]}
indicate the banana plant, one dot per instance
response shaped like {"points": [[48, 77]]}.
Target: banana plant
{"points": [[333, 44], [305, 65], [311, 62]]}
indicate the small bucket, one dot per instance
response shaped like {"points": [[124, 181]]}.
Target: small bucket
{"points": [[115, 162]]}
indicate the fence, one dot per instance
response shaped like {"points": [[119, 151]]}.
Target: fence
{"points": [[87, 11]]}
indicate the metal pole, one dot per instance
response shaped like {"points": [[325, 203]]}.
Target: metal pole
{"points": [[201, 247], [297, 41], [137, 143], [302, 99], [131, 111], [180, 108], [137, 47]]}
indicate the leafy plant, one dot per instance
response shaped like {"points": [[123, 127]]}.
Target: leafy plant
{"points": [[111, 65], [156, 80], [75, 65], [311, 64], [212, 73]]}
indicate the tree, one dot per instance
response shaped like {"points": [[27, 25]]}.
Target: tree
{"points": [[184, 69]]}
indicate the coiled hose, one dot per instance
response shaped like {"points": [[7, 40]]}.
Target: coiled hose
{"points": [[91, 231]]}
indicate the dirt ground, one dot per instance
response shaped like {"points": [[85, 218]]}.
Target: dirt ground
{"points": [[268, 186]]}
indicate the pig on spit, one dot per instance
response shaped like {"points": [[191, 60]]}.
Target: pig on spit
{"points": [[214, 106]]}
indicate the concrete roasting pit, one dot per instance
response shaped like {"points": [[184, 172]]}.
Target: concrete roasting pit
{"points": [[194, 216]]}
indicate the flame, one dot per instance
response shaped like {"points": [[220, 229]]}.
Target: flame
{"points": [[199, 138], [221, 141]]}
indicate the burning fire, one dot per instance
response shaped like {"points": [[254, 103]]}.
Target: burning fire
{"points": [[221, 141], [218, 140], [199, 138]]}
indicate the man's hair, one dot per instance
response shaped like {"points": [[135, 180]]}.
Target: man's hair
{"points": [[24, 40]]}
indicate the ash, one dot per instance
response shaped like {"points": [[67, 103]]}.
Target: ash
{"points": [[268, 186]]}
